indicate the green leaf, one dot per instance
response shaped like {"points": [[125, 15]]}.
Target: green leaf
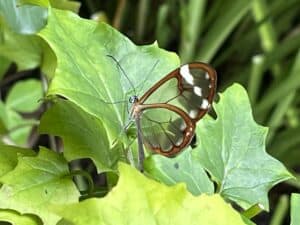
{"points": [[24, 50], [16, 218], [86, 75], [295, 209], [157, 204], [12, 125], [4, 65], [183, 168], [59, 4], [37, 182], [9, 157], [232, 149], [25, 96], [83, 134], [23, 19]]}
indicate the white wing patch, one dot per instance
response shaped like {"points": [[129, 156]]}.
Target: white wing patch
{"points": [[193, 113], [185, 73], [198, 90], [204, 104]]}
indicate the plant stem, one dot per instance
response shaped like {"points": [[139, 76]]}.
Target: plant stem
{"points": [[191, 20], [280, 210], [117, 22], [255, 77], [278, 114], [253, 211], [221, 28], [142, 19], [87, 176], [266, 30]]}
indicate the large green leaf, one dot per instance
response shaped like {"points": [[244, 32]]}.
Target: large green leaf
{"points": [[83, 134], [89, 78], [25, 96], [232, 149], [139, 200], [37, 182], [183, 168]]}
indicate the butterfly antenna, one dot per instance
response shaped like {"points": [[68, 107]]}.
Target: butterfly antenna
{"points": [[143, 83], [119, 65]]}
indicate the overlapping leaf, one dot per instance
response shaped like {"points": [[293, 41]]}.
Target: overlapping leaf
{"points": [[25, 19], [232, 149], [25, 50], [183, 168], [14, 218], [82, 133], [25, 96], [13, 128], [59, 4], [9, 157], [139, 200], [37, 182], [92, 80]]}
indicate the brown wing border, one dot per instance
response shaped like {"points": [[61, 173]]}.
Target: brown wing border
{"points": [[189, 132]]}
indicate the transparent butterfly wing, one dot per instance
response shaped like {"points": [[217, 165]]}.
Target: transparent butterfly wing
{"points": [[163, 130], [173, 105]]}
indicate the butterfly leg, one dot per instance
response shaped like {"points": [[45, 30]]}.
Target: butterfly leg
{"points": [[141, 153]]}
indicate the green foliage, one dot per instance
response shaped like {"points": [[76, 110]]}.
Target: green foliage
{"points": [[83, 134], [14, 217], [92, 72], [88, 65], [232, 149], [184, 168], [9, 157], [153, 202], [23, 19], [24, 97], [37, 182]]}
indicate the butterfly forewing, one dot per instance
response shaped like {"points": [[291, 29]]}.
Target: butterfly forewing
{"points": [[173, 105]]}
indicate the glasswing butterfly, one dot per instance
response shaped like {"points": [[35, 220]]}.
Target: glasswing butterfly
{"points": [[167, 113]]}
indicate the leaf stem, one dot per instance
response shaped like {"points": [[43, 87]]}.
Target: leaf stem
{"points": [[87, 176], [253, 211]]}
